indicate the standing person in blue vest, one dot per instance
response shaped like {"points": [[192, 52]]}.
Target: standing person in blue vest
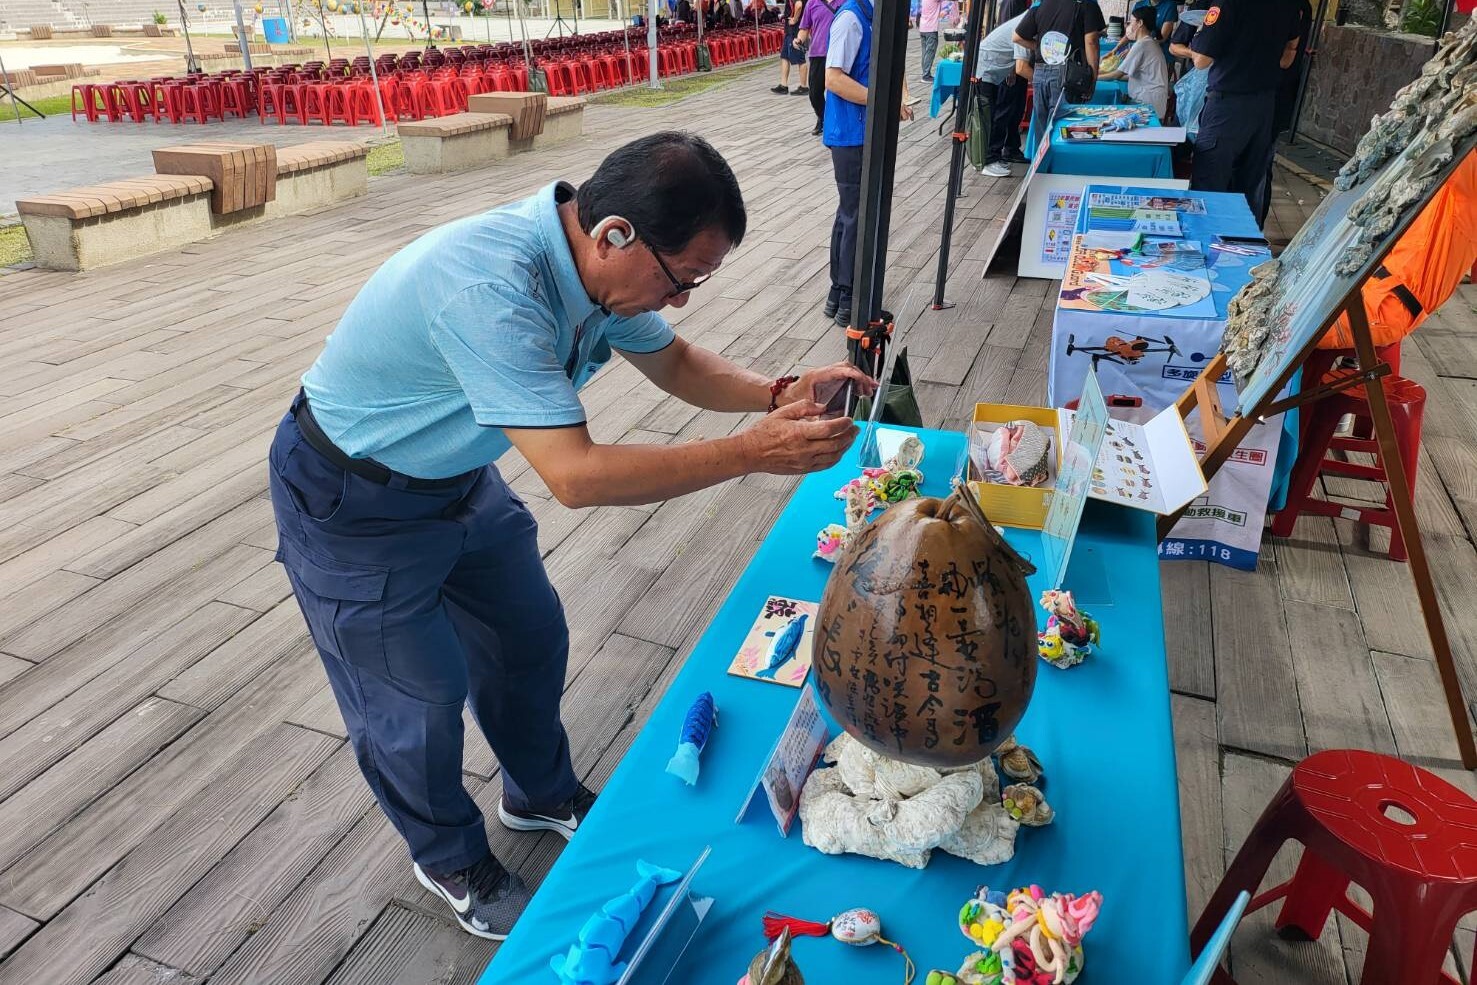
{"points": [[848, 69], [417, 568]]}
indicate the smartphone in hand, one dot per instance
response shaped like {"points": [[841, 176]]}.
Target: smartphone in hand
{"points": [[834, 394]]}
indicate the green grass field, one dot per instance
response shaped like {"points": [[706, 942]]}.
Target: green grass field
{"points": [[386, 158], [50, 105], [14, 247], [675, 89]]}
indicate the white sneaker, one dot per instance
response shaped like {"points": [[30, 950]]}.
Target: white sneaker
{"points": [[996, 169]]}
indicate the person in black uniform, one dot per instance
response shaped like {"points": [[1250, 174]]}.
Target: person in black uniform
{"points": [[1287, 95], [1246, 45]]}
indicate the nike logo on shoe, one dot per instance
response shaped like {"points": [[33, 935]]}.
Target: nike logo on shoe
{"points": [[461, 904], [529, 821]]}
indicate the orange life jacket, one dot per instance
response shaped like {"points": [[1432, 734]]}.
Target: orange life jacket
{"points": [[1423, 268]]}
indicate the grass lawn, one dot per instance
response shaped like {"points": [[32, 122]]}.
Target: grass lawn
{"points": [[14, 247], [385, 158], [50, 105], [675, 89]]}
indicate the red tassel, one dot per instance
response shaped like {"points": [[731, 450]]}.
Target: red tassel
{"points": [[775, 924]]}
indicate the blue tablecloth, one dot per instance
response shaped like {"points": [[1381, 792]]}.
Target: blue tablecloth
{"points": [[947, 75], [1096, 157], [1101, 729], [1111, 91], [1226, 526]]}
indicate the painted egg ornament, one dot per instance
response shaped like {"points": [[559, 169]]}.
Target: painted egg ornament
{"points": [[857, 927], [860, 926]]}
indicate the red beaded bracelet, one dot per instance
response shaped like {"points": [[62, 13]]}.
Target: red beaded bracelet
{"points": [[778, 387]]}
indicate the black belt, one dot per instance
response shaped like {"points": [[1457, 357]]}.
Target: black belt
{"points": [[365, 468], [1402, 293]]}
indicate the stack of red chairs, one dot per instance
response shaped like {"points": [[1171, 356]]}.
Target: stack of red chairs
{"points": [[416, 84]]}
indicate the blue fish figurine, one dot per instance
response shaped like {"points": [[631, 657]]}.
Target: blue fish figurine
{"points": [[592, 961], [782, 647], [696, 728]]}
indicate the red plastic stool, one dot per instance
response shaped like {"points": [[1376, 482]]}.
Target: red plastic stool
{"points": [[1407, 403], [336, 105], [560, 81], [235, 98], [198, 102], [315, 104], [1419, 868]]}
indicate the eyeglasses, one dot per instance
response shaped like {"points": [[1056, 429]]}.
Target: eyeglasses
{"points": [[678, 286]]}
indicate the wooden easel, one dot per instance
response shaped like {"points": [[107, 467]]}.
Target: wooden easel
{"points": [[1224, 434]]}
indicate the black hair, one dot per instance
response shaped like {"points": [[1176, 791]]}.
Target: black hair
{"points": [[671, 186], [1146, 16]]}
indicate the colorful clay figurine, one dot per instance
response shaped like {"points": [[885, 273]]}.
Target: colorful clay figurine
{"points": [[782, 647], [1069, 635], [859, 505], [774, 966], [1027, 936], [940, 978], [1026, 805], [858, 927], [697, 727], [592, 960], [829, 541]]}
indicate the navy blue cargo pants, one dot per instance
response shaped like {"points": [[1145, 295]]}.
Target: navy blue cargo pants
{"points": [[846, 163], [421, 601], [1234, 146]]}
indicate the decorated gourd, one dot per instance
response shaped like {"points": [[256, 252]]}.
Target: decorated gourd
{"points": [[925, 645]]}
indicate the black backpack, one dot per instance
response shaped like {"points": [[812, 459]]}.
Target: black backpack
{"points": [[1078, 78]]}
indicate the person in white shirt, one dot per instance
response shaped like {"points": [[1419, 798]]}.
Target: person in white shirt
{"points": [[1144, 66]]}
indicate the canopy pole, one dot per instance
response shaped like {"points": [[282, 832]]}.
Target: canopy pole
{"points": [[626, 36], [1315, 35], [374, 74], [651, 44], [972, 32], [879, 159]]}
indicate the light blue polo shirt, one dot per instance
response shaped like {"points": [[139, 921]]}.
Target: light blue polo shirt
{"points": [[478, 325]]}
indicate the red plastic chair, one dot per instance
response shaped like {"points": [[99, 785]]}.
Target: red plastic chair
{"points": [[336, 107], [402, 102], [94, 101], [315, 104], [135, 100], [235, 98], [1405, 835], [433, 99], [560, 81], [293, 104], [1406, 400], [363, 107], [269, 100], [198, 102]]}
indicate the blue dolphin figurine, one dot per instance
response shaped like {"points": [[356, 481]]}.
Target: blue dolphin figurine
{"points": [[592, 961], [782, 647]]}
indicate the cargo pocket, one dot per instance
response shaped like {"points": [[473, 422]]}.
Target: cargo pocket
{"points": [[315, 486], [344, 605]]}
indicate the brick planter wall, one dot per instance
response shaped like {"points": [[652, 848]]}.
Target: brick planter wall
{"points": [[1355, 75]]}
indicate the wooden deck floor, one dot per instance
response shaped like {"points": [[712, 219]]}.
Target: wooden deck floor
{"points": [[177, 803]]}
